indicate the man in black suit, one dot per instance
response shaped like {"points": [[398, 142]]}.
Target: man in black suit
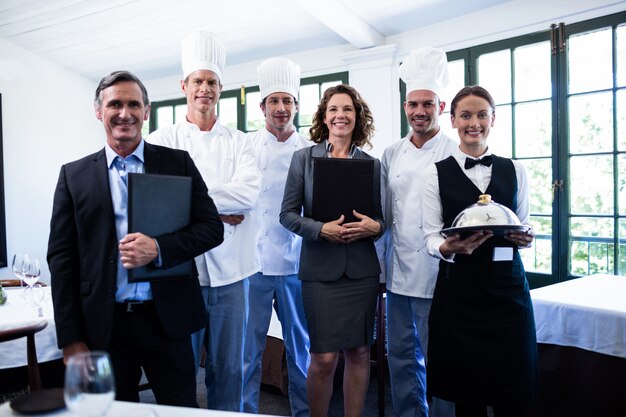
{"points": [[146, 324]]}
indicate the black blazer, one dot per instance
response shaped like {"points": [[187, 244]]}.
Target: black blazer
{"points": [[321, 260], [83, 250]]}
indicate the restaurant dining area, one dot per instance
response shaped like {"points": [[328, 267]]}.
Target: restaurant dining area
{"points": [[330, 208]]}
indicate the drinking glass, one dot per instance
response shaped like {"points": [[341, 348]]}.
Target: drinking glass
{"points": [[16, 265], [89, 384], [30, 270], [34, 296]]}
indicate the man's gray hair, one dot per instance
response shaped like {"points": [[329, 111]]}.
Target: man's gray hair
{"points": [[118, 77]]}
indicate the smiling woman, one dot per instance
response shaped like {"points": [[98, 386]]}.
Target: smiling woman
{"points": [[3, 229]]}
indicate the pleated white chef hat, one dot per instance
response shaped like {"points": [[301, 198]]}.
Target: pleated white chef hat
{"points": [[279, 75], [202, 50], [425, 68]]}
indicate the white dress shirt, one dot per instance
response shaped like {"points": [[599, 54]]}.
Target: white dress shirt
{"points": [[480, 175], [278, 248], [409, 270], [225, 159]]}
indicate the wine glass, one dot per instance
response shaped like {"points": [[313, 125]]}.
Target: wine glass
{"points": [[16, 265], [89, 384], [34, 296], [30, 270]]}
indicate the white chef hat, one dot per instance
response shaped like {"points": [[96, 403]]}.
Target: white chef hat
{"points": [[425, 68], [201, 50], [279, 75]]}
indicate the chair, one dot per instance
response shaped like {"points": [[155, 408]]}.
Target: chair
{"points": [[34, 377], [381, 348]]}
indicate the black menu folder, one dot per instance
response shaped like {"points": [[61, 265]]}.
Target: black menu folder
{"points": [[341, 185], [158, 204]]}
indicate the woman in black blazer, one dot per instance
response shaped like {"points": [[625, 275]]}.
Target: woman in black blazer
{"points": [[338, 264]]}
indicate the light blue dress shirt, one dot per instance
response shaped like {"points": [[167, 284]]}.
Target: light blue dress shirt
{"points": [[118, 172]]}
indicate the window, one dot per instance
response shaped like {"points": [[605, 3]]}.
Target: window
{"points": [[561, 111], [239, 109]]}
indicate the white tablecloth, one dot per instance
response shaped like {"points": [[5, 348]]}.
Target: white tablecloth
{"points": [[588, 313], [125, 409], [16, 313]]}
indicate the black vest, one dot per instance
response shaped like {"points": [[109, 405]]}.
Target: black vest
{"points": [[458, 192]]}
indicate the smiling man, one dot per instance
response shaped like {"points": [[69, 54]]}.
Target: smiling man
{"points": [[141, 325], [410, 273], [226, 161], [277, 283]]}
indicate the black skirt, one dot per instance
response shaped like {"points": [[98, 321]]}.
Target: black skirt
{"points": [[340, 314]]}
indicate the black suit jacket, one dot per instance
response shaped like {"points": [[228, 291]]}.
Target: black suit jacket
{"points": [[83, 250]]}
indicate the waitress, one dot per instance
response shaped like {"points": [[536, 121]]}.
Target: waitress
{"points": [[482, 346]]}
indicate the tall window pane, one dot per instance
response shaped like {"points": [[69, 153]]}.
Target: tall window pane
{"points": [[180, 112], [227, 110], [591, 123], [590, 63], [165, 116], [500, 140], [533, 129], [621, 55], [494, 73], [254, 116], [591, 185], [532, 72], [456, 73]]}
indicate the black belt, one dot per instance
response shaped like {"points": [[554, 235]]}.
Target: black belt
{"points": [[132, 306]]}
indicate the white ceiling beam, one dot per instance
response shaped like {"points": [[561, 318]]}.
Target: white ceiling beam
{"points": [[344, 22]]}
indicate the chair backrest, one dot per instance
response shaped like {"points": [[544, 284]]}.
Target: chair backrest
{"points": [[10, 282], [34, 377], [15, 283]]}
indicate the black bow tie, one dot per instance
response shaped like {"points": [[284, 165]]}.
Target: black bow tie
{"points": [[486, 161]]}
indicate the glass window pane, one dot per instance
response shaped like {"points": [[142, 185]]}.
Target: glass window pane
{"points": [[456, 74], [539, 172], [309, 99], [328, 84], [180, 113], [445, 124], [165, 116], [591, 185], [254, 116], [304, 131], [621, 266], [621, 183], [533, 129], [499, 140], [621, 119], [591, 123], [538, 258], [591, 246], [532, 72], [621, 55], [227, 110], [590, 61], [494, 73]]}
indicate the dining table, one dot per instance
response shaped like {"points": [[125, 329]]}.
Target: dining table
{"points": [[18, 312], [581, 343], [128, 409]]}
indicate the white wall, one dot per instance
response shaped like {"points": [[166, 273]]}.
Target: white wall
{"points": [[47, 120]]}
